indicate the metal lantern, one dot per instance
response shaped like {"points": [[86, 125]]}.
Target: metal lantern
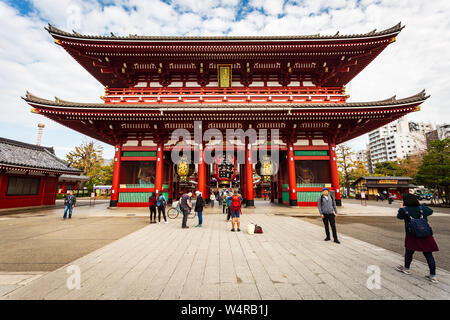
{"points": [[266, 168], [184, 169]]}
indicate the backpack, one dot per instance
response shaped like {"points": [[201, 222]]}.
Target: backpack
{"points": [[322, 196], [69, 200], [258, 229], [235, 203], [162, 201], [418, 228]]}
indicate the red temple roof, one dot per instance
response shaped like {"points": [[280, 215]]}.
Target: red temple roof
{"points": [[325, 60], [112, 122]]}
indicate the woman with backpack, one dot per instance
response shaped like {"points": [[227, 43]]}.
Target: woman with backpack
{"points": [[199, 205], [152, 206], [235, 209], [419, 236], [161, 204]]}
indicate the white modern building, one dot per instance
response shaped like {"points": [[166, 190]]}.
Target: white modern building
{"points": [[443, 131], [398, 139]]}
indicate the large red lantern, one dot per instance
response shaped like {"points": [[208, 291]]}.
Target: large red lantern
{"points": [[225, 169]]}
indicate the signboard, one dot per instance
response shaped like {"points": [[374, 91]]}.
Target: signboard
{"points": [[224, 75], [387, 181]]}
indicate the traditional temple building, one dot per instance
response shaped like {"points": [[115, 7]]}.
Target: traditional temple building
{"points": [[29, 174], [157, 84]]}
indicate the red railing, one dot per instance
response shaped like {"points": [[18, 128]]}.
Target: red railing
{"points": [[228, 91]]}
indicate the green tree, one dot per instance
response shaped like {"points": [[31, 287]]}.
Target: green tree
{"points": [[106, 173], [434, 171], [359, 170], [345, 164], [88, 158], [388, 168]]}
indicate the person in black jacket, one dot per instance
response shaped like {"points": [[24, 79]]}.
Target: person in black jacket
{"points": [[199, 205], [412, 209]]}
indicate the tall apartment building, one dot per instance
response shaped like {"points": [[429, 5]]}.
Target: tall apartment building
{"points": [[398, 139], [443, 131]]}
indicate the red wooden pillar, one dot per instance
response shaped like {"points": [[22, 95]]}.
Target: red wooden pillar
{"points": [[116, 176], [201, 171], [207, 193], [44, 188], [334, 174], [2, 181], [159, 168], [243, 178], [249, 175], [292, 177]]}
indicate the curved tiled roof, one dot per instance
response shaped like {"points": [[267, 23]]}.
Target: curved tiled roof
{"points": [[417, 98], [372, 34], [19, 154]]}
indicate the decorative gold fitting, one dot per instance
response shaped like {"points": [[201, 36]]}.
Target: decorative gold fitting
{"points": [[34, 110], [57, 41]]}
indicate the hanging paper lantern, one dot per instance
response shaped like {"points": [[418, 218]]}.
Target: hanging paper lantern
{"points": [[184, 169], [225, 169]]}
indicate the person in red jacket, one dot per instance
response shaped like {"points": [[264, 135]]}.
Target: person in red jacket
{"points": [[235, 209], [152, 206]]}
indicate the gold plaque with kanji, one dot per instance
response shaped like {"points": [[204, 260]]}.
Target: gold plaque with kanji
{"points": [[224, 75]]}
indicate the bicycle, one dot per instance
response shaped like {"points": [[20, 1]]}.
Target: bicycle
{"points": [[173, 213]]}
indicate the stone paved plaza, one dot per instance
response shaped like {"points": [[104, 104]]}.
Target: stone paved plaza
{"points": [[289, 261]]}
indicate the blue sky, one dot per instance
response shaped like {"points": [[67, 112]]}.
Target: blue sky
{"points": [[29, 59]]}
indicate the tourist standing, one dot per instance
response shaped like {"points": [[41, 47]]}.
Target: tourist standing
{"points": [[328, 212], [152, 207], [410, 210], [69, 203], [199, 205], [185, 205], [212, 198], [224, 202], [161, 204], [235, 209], [228, 202]]}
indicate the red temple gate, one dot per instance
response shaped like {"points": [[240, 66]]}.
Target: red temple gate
{"points": [[293, 84]]}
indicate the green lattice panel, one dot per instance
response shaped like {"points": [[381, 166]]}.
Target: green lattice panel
{"points": [[311, 153], [139, 154], [285, 196], [134, 196], [310, 185], [309, 196], [129, 186]]}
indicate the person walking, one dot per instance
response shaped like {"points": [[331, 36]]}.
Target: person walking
{"points": [[152, 207], [224, 202], [328, 212], [199, 205], [235, 209], [411, 210], [161, 203], [69, 203], [219, 198], [212, 198], [185, 205], [228, 202]]}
